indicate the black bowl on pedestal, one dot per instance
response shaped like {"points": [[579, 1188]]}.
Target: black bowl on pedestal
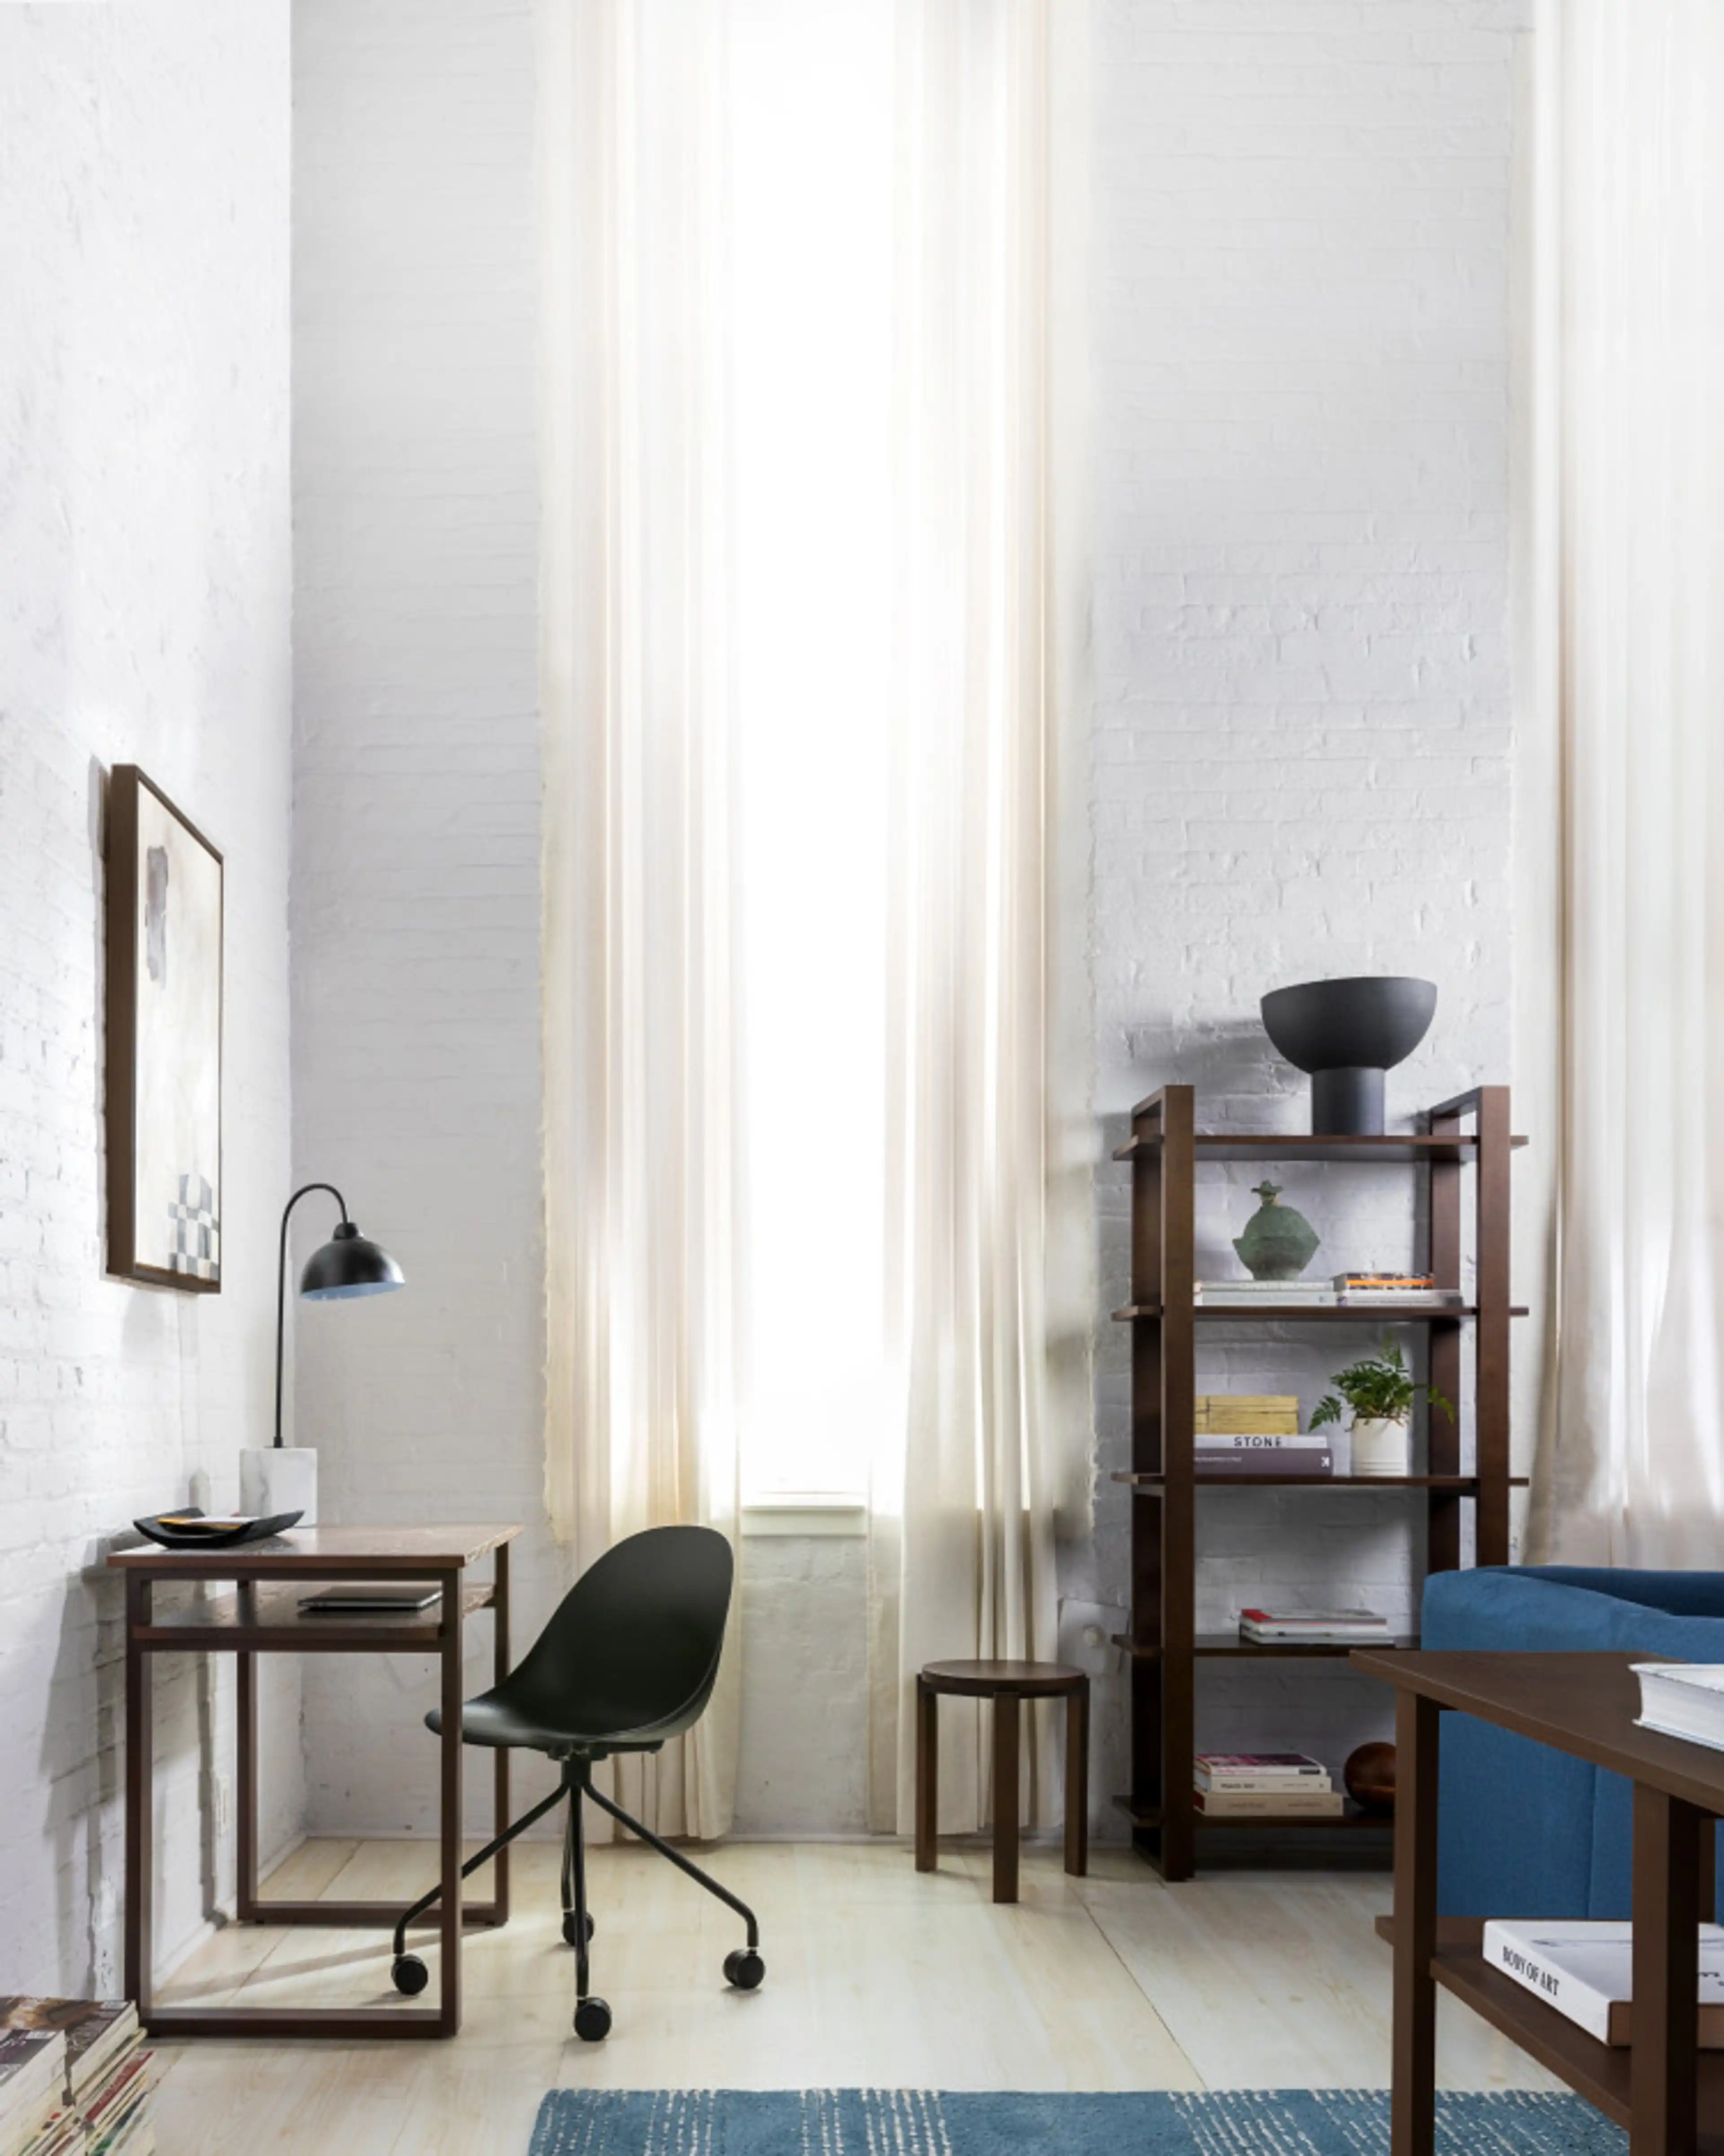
{"points": [[1347, 1034]]}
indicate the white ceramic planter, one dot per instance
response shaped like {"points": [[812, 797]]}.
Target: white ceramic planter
{"points": [[1381, 1447], [279, 1478]]}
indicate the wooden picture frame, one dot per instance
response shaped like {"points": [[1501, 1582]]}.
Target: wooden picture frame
{"points": [[164, 938]]}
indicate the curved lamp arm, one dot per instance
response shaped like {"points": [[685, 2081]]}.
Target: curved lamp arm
{"points": [[305, 1191]]}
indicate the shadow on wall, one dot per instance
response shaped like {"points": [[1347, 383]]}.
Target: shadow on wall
{"points": [[1229, 1060], [80, 1766]]}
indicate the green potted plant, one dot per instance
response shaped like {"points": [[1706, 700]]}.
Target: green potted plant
{"points": [[1378, 1394]]}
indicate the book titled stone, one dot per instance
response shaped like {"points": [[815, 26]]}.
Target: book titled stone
{"points": [[1584, 1968], [1253, 1440]]}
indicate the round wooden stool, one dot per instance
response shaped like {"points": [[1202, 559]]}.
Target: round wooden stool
{"points": [[1005, 1683]]}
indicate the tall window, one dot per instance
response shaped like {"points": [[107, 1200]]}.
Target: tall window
{"points": [[812, 317]]}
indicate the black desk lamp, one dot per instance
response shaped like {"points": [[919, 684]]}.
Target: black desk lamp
{"points": [[348, 1264], [283, 1478]]}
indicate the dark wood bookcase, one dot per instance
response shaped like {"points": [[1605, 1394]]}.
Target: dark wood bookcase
{"points": [[1468, 1135]]}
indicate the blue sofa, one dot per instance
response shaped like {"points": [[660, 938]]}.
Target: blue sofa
{"points": [[1523, 1830]]}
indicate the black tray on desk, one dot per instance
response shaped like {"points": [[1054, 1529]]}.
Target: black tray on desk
{"points": [[256, 1530]]}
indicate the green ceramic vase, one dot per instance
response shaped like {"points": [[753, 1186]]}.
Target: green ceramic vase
{"points": [[1277, 1243]]}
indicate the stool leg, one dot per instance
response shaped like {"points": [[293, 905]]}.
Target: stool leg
{"points": [[1077, 1781], [927, 1772], [1005, 1797]]}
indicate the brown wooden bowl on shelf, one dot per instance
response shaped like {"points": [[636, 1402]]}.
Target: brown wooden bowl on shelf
{"points": [[1369, 1775]]}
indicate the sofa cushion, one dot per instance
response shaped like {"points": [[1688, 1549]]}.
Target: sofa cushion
{"points": [[1524, 1830], [1514, 1819]]}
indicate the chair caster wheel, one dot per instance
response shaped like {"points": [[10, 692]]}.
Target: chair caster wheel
{"points": [[410, 1976], [570, 1935], [744, 1968], [592, 2020]]}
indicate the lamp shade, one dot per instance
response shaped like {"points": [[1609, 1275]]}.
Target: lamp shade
{"points": [[349, 1264]]}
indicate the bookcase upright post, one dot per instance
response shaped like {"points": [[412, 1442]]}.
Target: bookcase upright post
{"points": [[1175, 1325]]}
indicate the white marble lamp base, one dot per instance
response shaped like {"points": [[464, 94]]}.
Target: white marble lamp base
{"points": [[279, 1478]]}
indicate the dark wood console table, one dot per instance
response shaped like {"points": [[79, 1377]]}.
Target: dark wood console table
{"points": [[1668, 2094], [262, 1616]]}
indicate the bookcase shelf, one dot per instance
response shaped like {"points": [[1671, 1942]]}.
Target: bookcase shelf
{"points": [[1208, 1644], [1463, 1486], [1298, 1313], [1468, 1471], [1396, 1152]]}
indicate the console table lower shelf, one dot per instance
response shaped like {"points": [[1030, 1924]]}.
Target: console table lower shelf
{"points": [[1667, 2093]]}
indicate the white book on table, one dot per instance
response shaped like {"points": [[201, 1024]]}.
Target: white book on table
{"points": [[1683, 1699], [1584, 1968]]}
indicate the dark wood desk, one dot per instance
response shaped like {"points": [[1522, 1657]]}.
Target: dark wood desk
{"points": [[1669, 2095], [262, 1616]]}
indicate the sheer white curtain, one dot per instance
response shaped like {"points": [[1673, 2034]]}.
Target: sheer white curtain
{"points": [[969, 1477], [658, 534], [641, 1042], [1631, 92]]}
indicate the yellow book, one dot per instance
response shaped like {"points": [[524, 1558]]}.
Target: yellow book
{"points": [[1254, 1416]]}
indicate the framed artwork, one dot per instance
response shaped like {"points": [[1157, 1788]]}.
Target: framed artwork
{"points": [[164, 1028]]}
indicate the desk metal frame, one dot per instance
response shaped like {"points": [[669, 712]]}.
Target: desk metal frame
{"points": [[262, 1616]]}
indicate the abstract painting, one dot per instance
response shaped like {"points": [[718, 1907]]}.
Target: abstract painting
{"points": [[164, 1022]]}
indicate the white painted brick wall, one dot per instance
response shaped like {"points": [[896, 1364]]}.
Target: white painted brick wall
{"points": [[1302, 725], [1300, 746], [416, 855], [144, 525], [803, 1764]]}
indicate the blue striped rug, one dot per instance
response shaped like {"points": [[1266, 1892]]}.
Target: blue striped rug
{"points": [[911, 2123]]}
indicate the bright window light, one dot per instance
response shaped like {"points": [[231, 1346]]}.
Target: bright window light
{"points": [[812, 316]]}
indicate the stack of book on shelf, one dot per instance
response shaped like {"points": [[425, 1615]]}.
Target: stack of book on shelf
{"points": [[103, 2076], [1263, 1785], [1248, 1434], [1585, 1969], [1683, 1699], [1385, 1290], [1314, 1628]]}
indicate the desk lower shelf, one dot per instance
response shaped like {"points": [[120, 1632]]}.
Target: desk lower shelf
{"points": [[1600, 2072], [274, 1622]]}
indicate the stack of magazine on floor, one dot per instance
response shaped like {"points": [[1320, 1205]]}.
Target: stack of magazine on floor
{"points": [[34, 2116], [101, 2076], [1585, 1969], [1262, 1785]]}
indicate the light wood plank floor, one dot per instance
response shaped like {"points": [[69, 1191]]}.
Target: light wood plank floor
{"points": [[875, 1977]]}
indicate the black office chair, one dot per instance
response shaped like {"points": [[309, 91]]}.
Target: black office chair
{"points": [[629, 1659]]}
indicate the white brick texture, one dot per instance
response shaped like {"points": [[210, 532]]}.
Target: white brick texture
{"points": [[143, 526], [416, 848], [1302, 722], [1300, 390]]}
